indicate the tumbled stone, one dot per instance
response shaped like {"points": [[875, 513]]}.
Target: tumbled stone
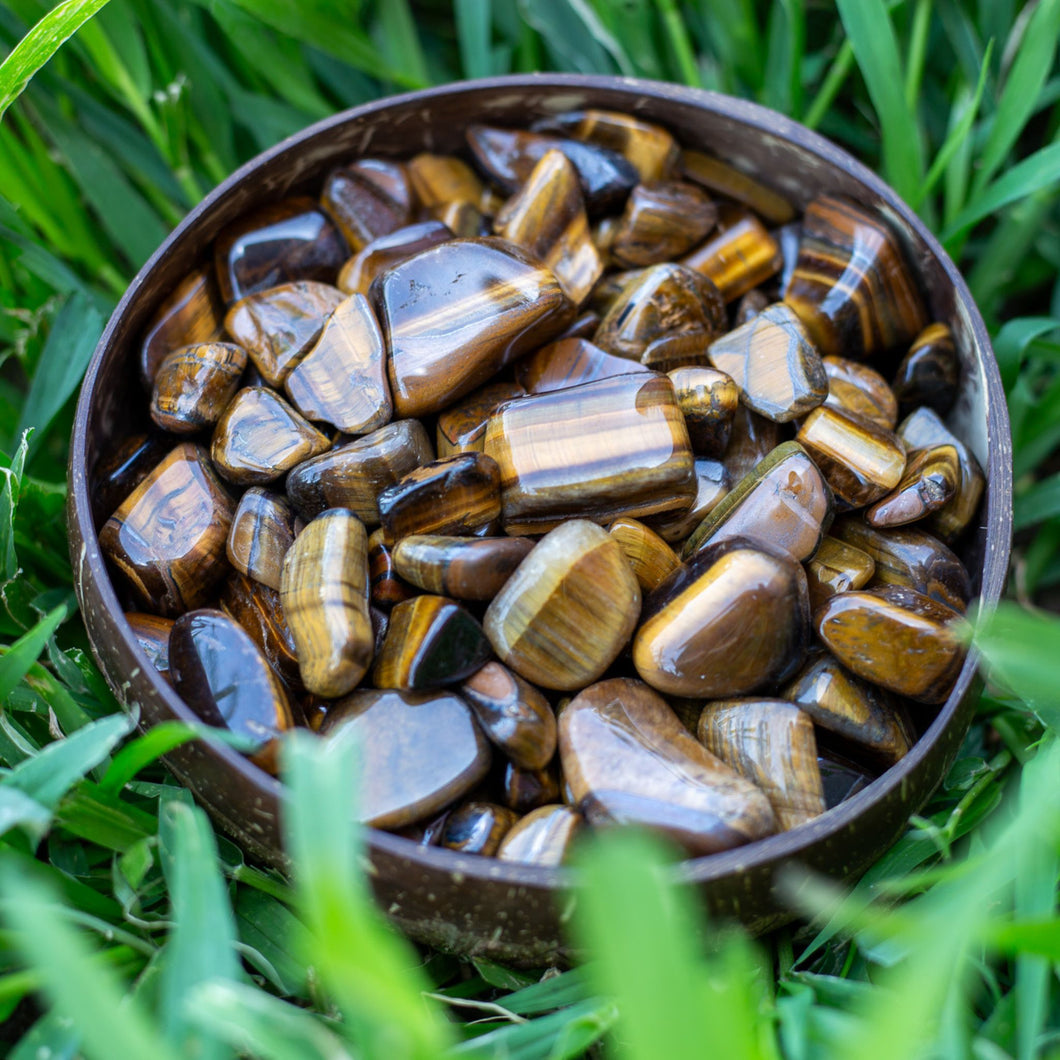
{"points": [[852, 286], [784, 503], [628, 760], [930, 481], [353, 475], [750, 305], [194, 384], [457, 313], [420, 752], [546, 217], [740, 255], [152, 634], [862, 715], [191, 314], [263, 529], [477, 828], [772, 744], [260, 437], [219, 672], [841, 778], [360, 208], [390, 177], [708, 400], [438, 180], [543, 837], [258, 611], [894, 637], [661, 222], [910, 557], [752, 439], [385, 252], [324, 592], [462, 427], [167, 538], [280, 243], [570, 362], [278, 325], [774, 365], [568, 610], [861, 460], [528, 789], [730, 621], [469, 568], [712, 486], [121, 468], [837, 567], [430, 642], [726, 180], [650, 557], [608, 288], [929, 372], [342, 379], [464, 219], [857, 388], [597, 451], [386, 587], [513, 714]]}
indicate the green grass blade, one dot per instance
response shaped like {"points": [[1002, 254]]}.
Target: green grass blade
{"points": [[49, 1037], [19, 810], [17, 660], [40, 44], [269, 927], [784, 57], [576, 37], [1037, 503], [399, 41], [680, 42]]}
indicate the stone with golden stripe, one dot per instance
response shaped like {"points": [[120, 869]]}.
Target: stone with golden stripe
{"points": [[469, 568], [461, 428], [543, 837], [257, 609], [855, 387], [708, 400], [739, 256], [360, 208], [152, 634], [385, 252], [650, 557], [386, 586], [263, 529], [726, 180], [930, 481], [752, 439], [121, 468], [837, 567], [438, 180], [929, 372], [194, 384], [570, 362], [661, 222], [193, 313]]}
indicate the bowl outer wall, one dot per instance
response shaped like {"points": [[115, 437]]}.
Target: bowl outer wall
{"points": [[477, 905]]}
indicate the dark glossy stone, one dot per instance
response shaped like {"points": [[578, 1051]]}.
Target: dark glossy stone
{"points": [[260, 437], [191, 314], [469, 568], [837, 567], [430, 642], [930, 481], [386, 587], [462, 427], [544, 837], [279, 325], [220, 673], [929, 372], [752, 439], [385, 252], [152, 634], [730, 182], [852, 286], [526, 790], [661, 222], [420, 752], [353, 475], [772, 744], [477, 828], [708, 400], [568, 610], [286, 241], [194, 384], [597, 451], [740, 255], [167, 538], [841, 778], [457, 313], [120, 470], [712, 486], [390, 177], [570, 362], [628, 759], [749, 306], [650, 557], [258, 611], [360, 208], [730, 621], [855, 387], [263, 529], [513, 714]]}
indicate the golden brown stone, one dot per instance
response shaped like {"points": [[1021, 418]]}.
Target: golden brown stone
{"points": [[837, 567], [263, 529], [930, 480], [386, 587], [570, 362], [543, 837], [723, 179], [258, 611], [739, 256], [462, 427], [752, 439], [120, 469], [361, 208], [712, 486], [191, 314], [193, 385], [477, 828], [708, 400], [650, 557], [385, 252], [929, 372], [469, 568], [438, 180], [661, 222], [528, 789], [152, 634], [857, 388]]}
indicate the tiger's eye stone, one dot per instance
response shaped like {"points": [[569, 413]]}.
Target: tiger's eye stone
{"points": [[190, 315], [896, 638], [739, 256], [286, 241], [324, 592], [342, 380], [513, 714], [152, 634], [851, 285], [861, 460], [712, 485], [568, 610], [708, 400], [543, 837], [772, 744], [360, 208], [837, 567], [929, 372], [911, 557], [857, 388], [597, 451], [263, 529], [661, 222], [663, 304], [774, 365], [438, 180], [353, 475], [420, 752], [528, 789], [463, 219], [469, 568], [430, 642], [194, 384], [387, 587], [931, 479], [731, 620], [650, 148], [861, 714], [455, 495], [784, 503], [385, 252], [167, 538], [119, 470], [546, 217], [260, 436], [258, 611], [749, 306], [723, 179], [219, 672], [841, 778], [477, 828], [650, 557], [609, 287], [922, 430], [456, 314], [752, 439], [277, 326], [462, 427], [508, 156], [570, 362], [628, 759]]}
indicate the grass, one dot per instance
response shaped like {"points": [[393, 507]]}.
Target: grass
{"points": [[128, 929]]}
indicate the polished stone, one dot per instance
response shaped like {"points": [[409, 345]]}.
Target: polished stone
{"points": [[837, 567], [661, 222], [258, 610], [570, 362], [525, 790], [731, 183], [930, 372], [543, 837], [263, 529], [387, 251], [121, 468], [739, 256], [708, 400], [477, 828], [152, 634], [192, 314], [931, 479], [386, 586], [857, 388], [712, 486], [752, 439], [194, 384], [468, 568], [461, 428], [360, 208], [650, 557]]}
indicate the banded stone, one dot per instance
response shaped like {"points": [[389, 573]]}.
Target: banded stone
{"points": [[194, 384], [263, 529], [661, 222], [469, 568]]}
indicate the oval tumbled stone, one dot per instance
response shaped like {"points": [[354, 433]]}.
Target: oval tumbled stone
{"points": [[543, 837]]}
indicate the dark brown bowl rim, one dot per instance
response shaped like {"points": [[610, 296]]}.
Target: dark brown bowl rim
{"points": [[784, 846]]}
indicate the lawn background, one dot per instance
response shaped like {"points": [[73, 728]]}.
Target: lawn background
{"points": [[129, 930]]}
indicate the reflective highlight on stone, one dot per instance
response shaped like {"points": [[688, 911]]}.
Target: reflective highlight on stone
{"points": [[386, 587], [931, 479], [477, 828], [929, 372], [542, 837], [385, 252], [837, 567], [723, 179], [741, 255], [708, 400], [118, 471], [258, 611], [650, 557], [469, 568], [857, 388], [263, 529], [570, 362], [752, 439], [528, 789], [462, 427], [661, 222], [439, 180], [194, 384], [712, 486], [190, 315], [152, 634]]}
